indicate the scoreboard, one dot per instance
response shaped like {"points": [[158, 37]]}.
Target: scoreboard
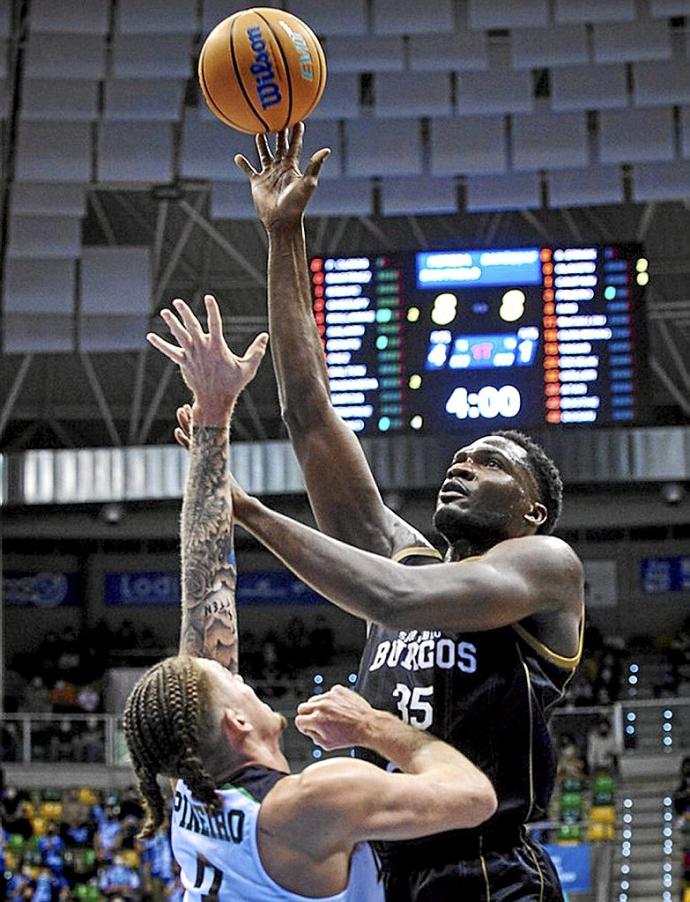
{"points": [[441, 341]]}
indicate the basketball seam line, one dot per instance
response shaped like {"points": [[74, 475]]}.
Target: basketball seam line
{"points": [[240, 82], [285, 63]]}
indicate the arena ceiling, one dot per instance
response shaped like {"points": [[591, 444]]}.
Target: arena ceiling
{"points": [[85, 395]]}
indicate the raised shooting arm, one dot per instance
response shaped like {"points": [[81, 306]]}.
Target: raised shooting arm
{"points": [[341, 488]]}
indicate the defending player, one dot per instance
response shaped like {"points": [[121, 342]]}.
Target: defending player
{"points": [[476, 649], [242, 826]]}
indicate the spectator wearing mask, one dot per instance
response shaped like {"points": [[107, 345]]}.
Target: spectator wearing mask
{"points": [[602, 751]]}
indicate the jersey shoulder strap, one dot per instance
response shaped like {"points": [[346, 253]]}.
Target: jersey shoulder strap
{"points": [[410, 553]]}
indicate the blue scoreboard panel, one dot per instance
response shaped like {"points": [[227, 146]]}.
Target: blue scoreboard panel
{"points": [[439, 341]]}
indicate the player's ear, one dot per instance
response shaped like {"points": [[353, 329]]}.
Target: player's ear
{"points": [[235, 725], [537, 514]]}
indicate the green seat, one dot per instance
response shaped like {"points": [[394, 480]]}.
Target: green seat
{"points": [[571, 784], [604, 783], [569, 833], [15, 842], [81, 891], [52, 795], [571, 816], [93, 894], [602, 798]]}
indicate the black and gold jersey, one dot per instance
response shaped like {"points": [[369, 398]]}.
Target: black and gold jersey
{"points": [[487, 693]]}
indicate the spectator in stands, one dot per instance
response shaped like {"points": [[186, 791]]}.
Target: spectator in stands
{"points": [[3, 863], [322, 642], [126, 637], [51, 848], [69, 661], [607, 682], [119, 879], [272, 666], [147, 640], [90, 744], [49, 887], [130, 804], [13, 687], [251, 655], [570, 763], [77, 829], [36, 697], [108, 833], [20, 824], [62, 743], [10, 745], [63, 697], [602, 751], [20, 886], [298, 654], [88, 699], [11, 801], [580, 692], [157, 864]]}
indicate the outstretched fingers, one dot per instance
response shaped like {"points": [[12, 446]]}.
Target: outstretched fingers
{"points": [[243, 163], [255, 352], [294, 149], [265, 155], [191, 323], [178, 331], [213, 318], [282, 144], [316, 162], [172, 352]]}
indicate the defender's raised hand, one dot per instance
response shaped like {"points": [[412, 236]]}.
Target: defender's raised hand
{"points": [[215, 375], [280, 191]]}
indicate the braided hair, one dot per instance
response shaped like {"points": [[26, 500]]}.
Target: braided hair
{"points": [[165, 717]]}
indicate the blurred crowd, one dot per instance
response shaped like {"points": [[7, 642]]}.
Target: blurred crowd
{"points": [[80, 846]]}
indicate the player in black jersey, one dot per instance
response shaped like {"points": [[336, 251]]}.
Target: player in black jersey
{"points": [[475, 649]]}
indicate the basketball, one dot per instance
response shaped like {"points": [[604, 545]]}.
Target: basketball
{"points": [[262, 70]]}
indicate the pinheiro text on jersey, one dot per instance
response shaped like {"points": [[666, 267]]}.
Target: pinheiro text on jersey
{"points": [[195, 816]]}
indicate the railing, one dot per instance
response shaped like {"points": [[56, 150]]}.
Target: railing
{"points": [[644, 727]]}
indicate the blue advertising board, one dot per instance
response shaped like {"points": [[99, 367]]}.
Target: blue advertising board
{"points": [[163, 588], [574, 866], [48, 589], [665, 574]]}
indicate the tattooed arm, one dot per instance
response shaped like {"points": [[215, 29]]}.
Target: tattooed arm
{"points": [[216, 377], [209, 572]]}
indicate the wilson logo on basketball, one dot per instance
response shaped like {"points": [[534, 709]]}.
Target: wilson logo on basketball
{"points": [[261, 69], [306, 63]]}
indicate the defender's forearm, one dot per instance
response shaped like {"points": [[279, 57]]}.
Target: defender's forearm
{"points": [[209, 572], [298, 356]]}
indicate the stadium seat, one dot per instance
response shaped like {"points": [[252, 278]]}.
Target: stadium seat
{"points": [[569, 833], [87, 796], [600, 832], [602, 814]]}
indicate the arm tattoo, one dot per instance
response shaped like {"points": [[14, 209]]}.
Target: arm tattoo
{"points": [[209, 572]]}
